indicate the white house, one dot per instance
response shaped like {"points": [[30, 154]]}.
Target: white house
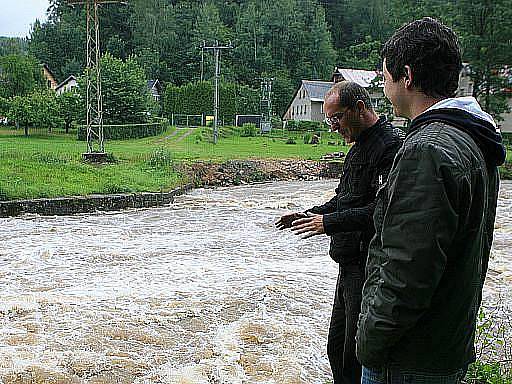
{"points": [[308, 101], [67, 85], [155, 88]]}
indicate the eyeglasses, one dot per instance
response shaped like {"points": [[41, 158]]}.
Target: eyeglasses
{"points": [[334, 119]]}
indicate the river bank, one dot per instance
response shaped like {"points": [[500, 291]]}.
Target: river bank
{"points": [[195, 174]]}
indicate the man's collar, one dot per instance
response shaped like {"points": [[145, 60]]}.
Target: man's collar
{"points": [[369, 131]]}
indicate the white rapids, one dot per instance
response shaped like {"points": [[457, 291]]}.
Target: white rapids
{"points": [[203, 291]]}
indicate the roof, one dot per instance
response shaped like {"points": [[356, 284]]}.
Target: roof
{"points": [[316, 90], [70, 78], [154, 84], [45, 66], [360, 76]]}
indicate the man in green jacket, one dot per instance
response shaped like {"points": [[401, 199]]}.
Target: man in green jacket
{"points": [[434, 218]]}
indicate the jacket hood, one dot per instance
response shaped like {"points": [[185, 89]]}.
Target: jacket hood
{"points": [[465, 113]]}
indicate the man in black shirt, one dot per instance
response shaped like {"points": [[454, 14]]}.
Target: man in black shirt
{"points": [[347, 217]]}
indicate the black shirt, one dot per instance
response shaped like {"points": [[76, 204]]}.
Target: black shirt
{"points": [[348, 216]]}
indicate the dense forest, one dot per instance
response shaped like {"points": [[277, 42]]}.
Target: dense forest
{"points": [[288, 40]]}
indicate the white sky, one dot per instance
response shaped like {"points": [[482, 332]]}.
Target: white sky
{"points": [[16, 16]]}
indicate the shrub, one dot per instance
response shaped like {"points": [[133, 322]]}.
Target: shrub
{"points": [[303, 125], [307, 138], [160, 158], [249, 130]]}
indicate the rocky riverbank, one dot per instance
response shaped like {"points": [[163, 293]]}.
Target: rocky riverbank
{"points": [[237, 172]]}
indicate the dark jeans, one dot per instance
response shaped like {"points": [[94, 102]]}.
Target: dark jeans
{"points": [[392, 376], [341, 342]]}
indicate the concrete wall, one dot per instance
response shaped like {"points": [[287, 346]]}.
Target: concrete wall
{"points": [[93, 203]]}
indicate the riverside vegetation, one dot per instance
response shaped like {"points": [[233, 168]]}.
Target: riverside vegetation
{"points": [[50, 164]]}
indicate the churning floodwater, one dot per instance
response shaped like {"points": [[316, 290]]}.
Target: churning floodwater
{"points": [[203, 291]]}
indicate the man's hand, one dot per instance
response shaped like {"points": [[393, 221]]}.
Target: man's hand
{"points": [[286, 220], [311, 225]]}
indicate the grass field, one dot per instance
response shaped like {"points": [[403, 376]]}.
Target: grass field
{"points": [[50, 165]]}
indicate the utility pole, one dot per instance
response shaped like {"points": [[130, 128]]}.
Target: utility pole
{"points": [[202, 60], [94, 103], [216, 50], [266, 104]]}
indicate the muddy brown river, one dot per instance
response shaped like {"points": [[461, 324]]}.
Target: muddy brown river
{"points": [[203, 291]]}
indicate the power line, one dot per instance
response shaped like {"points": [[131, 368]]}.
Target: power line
{"points": [[94, 98]]}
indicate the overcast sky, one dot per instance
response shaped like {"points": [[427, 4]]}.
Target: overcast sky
{"points": [[16, 16]]}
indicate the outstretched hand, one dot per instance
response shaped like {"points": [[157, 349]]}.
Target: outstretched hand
{"points": [[287, 220], [311, 225]]}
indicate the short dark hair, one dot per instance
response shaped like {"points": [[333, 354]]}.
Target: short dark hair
{"points": [[349, 93], [432, 51]]}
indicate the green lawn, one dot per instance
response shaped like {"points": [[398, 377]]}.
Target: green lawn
{"points": [[49, 165]]}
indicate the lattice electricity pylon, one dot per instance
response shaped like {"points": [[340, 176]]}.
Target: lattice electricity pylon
{"points": [[266, 104], [94, 102]]}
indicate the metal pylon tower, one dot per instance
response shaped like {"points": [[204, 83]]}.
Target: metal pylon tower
{"points": [[266, 104], [94, 102]]}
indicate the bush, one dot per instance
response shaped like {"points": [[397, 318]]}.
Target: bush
{"points": [[128, 131], [160, 158], [277, 123], [303, 125], [249, 130], [307, 138]]}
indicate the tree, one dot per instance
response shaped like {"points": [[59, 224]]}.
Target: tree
{"points": [[124, 87], [19, 75], [154, 37], [20, 112], [13, 46], [486, 31], [365, 55], [37, 109], [71, 107]]}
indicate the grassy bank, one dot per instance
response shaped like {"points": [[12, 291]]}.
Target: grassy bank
{"points": [[50, 165]]}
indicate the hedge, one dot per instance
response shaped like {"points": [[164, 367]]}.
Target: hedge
{"points": [[304, 125], [197, 98], [127, 131]]}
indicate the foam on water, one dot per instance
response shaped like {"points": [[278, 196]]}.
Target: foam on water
{"points": [[203, 291]]}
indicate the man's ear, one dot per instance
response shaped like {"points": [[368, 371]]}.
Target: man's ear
{"points": [[360, 106], [408, 77]]}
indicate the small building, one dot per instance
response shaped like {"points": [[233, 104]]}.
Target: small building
{"points": [[155, 88], [308, 101], [51, 81], [67, 85], [373, 81]]}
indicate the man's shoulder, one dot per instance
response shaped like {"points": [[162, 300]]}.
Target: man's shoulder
{"points": [[443, 143], [388, 137], [437, 134]]}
